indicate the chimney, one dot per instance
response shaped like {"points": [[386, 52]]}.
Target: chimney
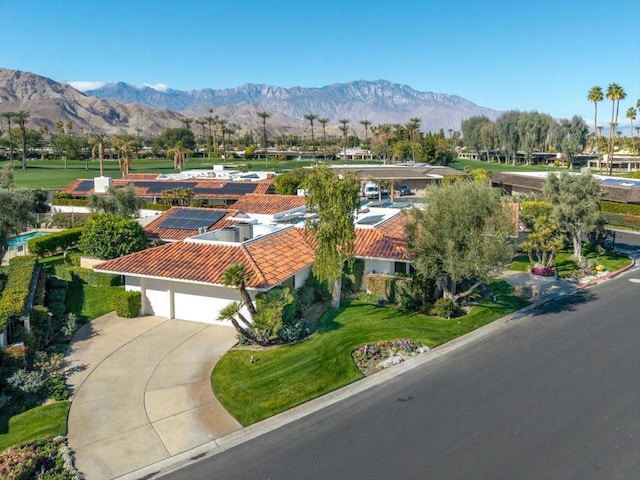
{"points": [[101, 184]]}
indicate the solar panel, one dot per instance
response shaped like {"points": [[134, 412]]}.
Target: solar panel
{"points": [[370, 220], [238, 188], [84, 186], [186, 219]]}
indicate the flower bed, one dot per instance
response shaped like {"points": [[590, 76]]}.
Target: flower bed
{"points": [[543, 271], [374, 357]]}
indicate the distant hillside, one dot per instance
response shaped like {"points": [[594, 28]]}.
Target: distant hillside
{"points": [[378, 101], [49, 102]]}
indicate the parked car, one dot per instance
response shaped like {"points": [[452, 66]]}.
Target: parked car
{"points": [[372, 191], [402, 190]]}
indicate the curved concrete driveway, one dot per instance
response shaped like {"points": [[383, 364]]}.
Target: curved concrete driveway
{"points": [[142, 392]]}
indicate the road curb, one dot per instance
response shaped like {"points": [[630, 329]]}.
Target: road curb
{"points": [[608, 275]]}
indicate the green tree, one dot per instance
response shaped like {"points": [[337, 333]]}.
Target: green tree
{"points": [[413, 128], [107, 236], [509, 134], [336, 201], [471, 128], [461, 235], [271, 306], [311, 117], [576, 205], [323, 122], [344, 128], [264, 115], [21, 118], [631, 115], [288, 183], [595, 95], [121, 201], [366, 124], [18, 212], [171, 136], [545, 237], [97, 142], [570, 137], [179, 154], [127, 147], [615, 93]]}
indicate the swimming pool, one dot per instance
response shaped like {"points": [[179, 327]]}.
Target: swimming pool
{"points": [[24, 238]]}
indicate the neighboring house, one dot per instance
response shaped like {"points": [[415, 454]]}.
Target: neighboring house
{"points": [[183, 279], [205, 185]]}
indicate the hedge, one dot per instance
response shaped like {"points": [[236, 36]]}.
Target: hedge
{"points": [[127, 304], [388, 288], [55, 242], [622, 220], [16, 291], [71, 202], [622, 208], [86, 275], [155, 206]]}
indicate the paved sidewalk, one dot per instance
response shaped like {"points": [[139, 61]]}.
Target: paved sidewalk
{"points": [[142, 392]]}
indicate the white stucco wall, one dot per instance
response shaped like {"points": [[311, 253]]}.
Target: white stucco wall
{"points": [[302, 276]]}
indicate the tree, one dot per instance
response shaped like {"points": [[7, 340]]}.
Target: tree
{"points": [[615, 93], [631, 115], [336, 201], [171, 136], [324, 122], [576, 205], [9, 116], [595, 95], [570, 137], [366, 124], [264, 115], [179, 155], [461, 235], [413, 128], [127, 147], [509, 134], [121, 201], [471, 128], [21, 118], [545, 237], [311, 117], [344, 128], [97, 142], [18, 210], [289, 182], [107, 236]]}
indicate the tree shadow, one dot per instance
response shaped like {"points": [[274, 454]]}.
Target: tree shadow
{"points": [[567, 303]]}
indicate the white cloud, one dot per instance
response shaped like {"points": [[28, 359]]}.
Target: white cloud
{"points": [[83, 86], [161, 87]]}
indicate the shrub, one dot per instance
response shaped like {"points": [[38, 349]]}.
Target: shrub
{"points": [[543, 271], [26, 383], [86, 275], [70, 326], [18, 463], [55, 242], [108, 236], [16, 291], [42, 326], [127, 304], [389, 288], [368, 297], [55, 300], [290, 332], [444, 308], [55, 387], [352, 277], [69, 220]]}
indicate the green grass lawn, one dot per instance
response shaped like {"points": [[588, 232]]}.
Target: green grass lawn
{"points": [[565, 266], [90, 302], [35, 424], [282, 377]]}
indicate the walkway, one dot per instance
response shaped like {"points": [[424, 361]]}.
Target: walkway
{"points": [[142, 392]]}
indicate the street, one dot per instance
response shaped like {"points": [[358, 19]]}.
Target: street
{"points": [[554, 395]]}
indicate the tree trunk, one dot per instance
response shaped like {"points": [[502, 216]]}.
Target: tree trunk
{"points": [[336, 291], [246, 299]]}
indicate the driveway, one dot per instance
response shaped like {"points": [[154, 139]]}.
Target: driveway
{"points": [[142, 392]]}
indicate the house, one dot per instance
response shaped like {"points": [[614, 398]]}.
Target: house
{"points": [[183, 279]]}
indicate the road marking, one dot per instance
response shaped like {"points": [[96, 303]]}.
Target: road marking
{"points": [[634, 280]]}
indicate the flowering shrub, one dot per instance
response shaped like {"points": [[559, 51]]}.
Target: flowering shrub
{"points": [[45, 459], [382, 350], [543, 271]]}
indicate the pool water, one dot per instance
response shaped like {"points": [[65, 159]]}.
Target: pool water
{"points": [[24, 238]]}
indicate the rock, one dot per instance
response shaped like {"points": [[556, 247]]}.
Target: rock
{"points": [[391, 361]]}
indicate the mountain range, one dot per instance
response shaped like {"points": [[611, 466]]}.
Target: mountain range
{"points": [[120, 107]]}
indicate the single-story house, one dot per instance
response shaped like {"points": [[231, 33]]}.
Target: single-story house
{"points": [[183, 279]]}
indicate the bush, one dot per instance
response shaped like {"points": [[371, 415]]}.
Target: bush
{"points": [[127, 304], [56, 299], [55, 387], [16, 291], [444, 308], [108, 236], [18, 463], [86, 275], [24, 382], [42, 326], [55, 242], [389, 288], [69, 220], [290, 332], [352, 277], [368, 297], [543, 271], [622, 208]]}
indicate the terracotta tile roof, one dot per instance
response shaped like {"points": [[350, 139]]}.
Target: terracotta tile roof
{"points": [[155, 231], [270, 258], [268, 204], [386, 241]]}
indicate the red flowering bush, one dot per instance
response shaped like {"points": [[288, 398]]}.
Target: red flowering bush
{"points": [[544, 271]]}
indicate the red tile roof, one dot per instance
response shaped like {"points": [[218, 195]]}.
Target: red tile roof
{"points": [[268, 204], [270, 258], [385, 241]]}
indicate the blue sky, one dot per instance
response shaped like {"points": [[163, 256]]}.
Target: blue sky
{"points": [[503, 54]]}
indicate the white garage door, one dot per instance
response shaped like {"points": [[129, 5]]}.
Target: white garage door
{"points": [[158, 301]]}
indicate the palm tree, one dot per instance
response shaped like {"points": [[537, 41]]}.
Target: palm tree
{"points": [[187, 122], [367, 124], [221, 122], [264, 115], [615, 93], [98, 141], [126, 146], [9, 116], [230, 312], [210, 120], [344, 128], [238, 275], [324, 122], [631, 115], [46, 140], [413, 126], [595, 95], [21, 118], [179, 155], [203, 123], [311, 117]]}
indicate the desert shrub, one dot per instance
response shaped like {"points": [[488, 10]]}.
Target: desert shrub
{"points": [[127, 304], [444, 308]]}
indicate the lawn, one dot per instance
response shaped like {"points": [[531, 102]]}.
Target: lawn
{"points": [[565, 266], [90, 302], [35, 424], [52, 174], [282, 377]]}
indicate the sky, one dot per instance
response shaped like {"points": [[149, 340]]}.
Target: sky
{"points": [[543, 55]]}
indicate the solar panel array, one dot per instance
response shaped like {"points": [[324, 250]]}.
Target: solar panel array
{"points": [[370, 220], [186, 219], [226, 189], [84, 186]]}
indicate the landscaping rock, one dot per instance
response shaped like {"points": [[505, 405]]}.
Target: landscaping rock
{"points": [[391, 361]]}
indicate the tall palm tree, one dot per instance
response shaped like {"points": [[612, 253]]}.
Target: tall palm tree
{"points": [[97, 140], [344, 128], [126, 146], [595, 95], [21, 118], [221, 122], [324, 122], [187, 122], [413, 127], [367, 124], [311, 117], [264, 115], [615, 93], [631, 115], [203, 123], [9, 116], [46, 140], [210, 119], [179, 155]]}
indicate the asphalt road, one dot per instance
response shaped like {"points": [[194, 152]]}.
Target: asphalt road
{"points": [[555, 395]]}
